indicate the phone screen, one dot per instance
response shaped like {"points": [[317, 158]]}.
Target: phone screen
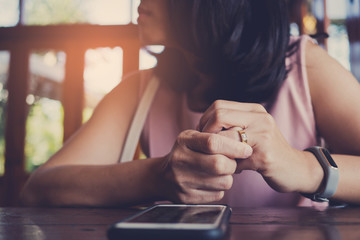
{"points": [[179, 214], [174, 221]]}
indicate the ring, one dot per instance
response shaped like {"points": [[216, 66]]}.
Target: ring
{"points": [[243, 136]]}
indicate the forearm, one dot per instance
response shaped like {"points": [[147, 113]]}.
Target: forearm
{"points": [[108, 185], [348, 190]]}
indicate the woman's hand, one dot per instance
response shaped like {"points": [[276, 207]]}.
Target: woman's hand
{"points": [[200, 166], [284, 168]]}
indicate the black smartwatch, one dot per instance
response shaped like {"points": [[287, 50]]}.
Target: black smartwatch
{"points": [[331, 175]]}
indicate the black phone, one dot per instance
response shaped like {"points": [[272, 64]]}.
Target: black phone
{"points": [[174, 221]]}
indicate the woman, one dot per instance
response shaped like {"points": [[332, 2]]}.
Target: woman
{"points": [[281, 93]]}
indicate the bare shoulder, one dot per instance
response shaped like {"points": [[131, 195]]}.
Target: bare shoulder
{"points": [[132, 81], [128, 90], [325, 73], [318, 60], [313, 51], [118, 106]]}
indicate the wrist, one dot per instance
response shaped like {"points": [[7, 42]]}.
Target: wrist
{"points": [[314, 174], [159, 181], [330, 180]]}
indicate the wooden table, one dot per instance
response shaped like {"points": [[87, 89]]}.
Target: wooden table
{"points": [[245, 223]]}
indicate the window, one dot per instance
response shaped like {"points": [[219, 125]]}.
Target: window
{"points": [[46, 103], [353, 23], [4, 71], [44, 130], [103, 71], [102, 12], [9, 13], [338, 42]]}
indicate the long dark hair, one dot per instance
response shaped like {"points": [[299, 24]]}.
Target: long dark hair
{"points": [[241, 45]]}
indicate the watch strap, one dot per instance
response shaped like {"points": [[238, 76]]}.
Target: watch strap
{"points": [[331, 174]]}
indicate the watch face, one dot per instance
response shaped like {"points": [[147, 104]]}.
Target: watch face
{"points": [[329, 158]]}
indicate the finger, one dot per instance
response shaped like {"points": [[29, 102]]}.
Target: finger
{"points": [[246, 164], [253, 135], [225, 118], [218, 183], [196, 163], [216, 144], [215, 165], [196, 196], [232, 133], [203, 164], [230, 105]]}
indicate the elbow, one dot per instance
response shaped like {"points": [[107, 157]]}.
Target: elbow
{"points": [[28, 197], [33, 193], [38, 191]]}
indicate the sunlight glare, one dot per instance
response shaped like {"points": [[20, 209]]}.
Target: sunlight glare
{"points": [[146, 59], [103, 71], [108, 12], [9, 13]]}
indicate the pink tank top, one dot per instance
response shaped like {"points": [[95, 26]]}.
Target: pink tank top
{"points": [[292, 111]]}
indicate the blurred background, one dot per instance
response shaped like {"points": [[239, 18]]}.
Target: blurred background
{"points": [[58, 58]]}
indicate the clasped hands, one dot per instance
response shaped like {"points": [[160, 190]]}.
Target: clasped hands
{"points": [[201, 165]]}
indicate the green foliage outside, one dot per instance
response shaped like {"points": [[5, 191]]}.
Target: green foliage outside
{"points": [[2, 134], [4, 68], [44, 125], [43, 12], [44, 132], [87, 112]]}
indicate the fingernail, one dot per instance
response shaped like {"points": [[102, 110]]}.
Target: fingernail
{"points": [[248, 150]]}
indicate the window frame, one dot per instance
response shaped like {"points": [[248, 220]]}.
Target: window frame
{"points": [[74, 40]]}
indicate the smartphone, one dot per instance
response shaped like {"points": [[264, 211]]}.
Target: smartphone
{"points": [[174, 221]]}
